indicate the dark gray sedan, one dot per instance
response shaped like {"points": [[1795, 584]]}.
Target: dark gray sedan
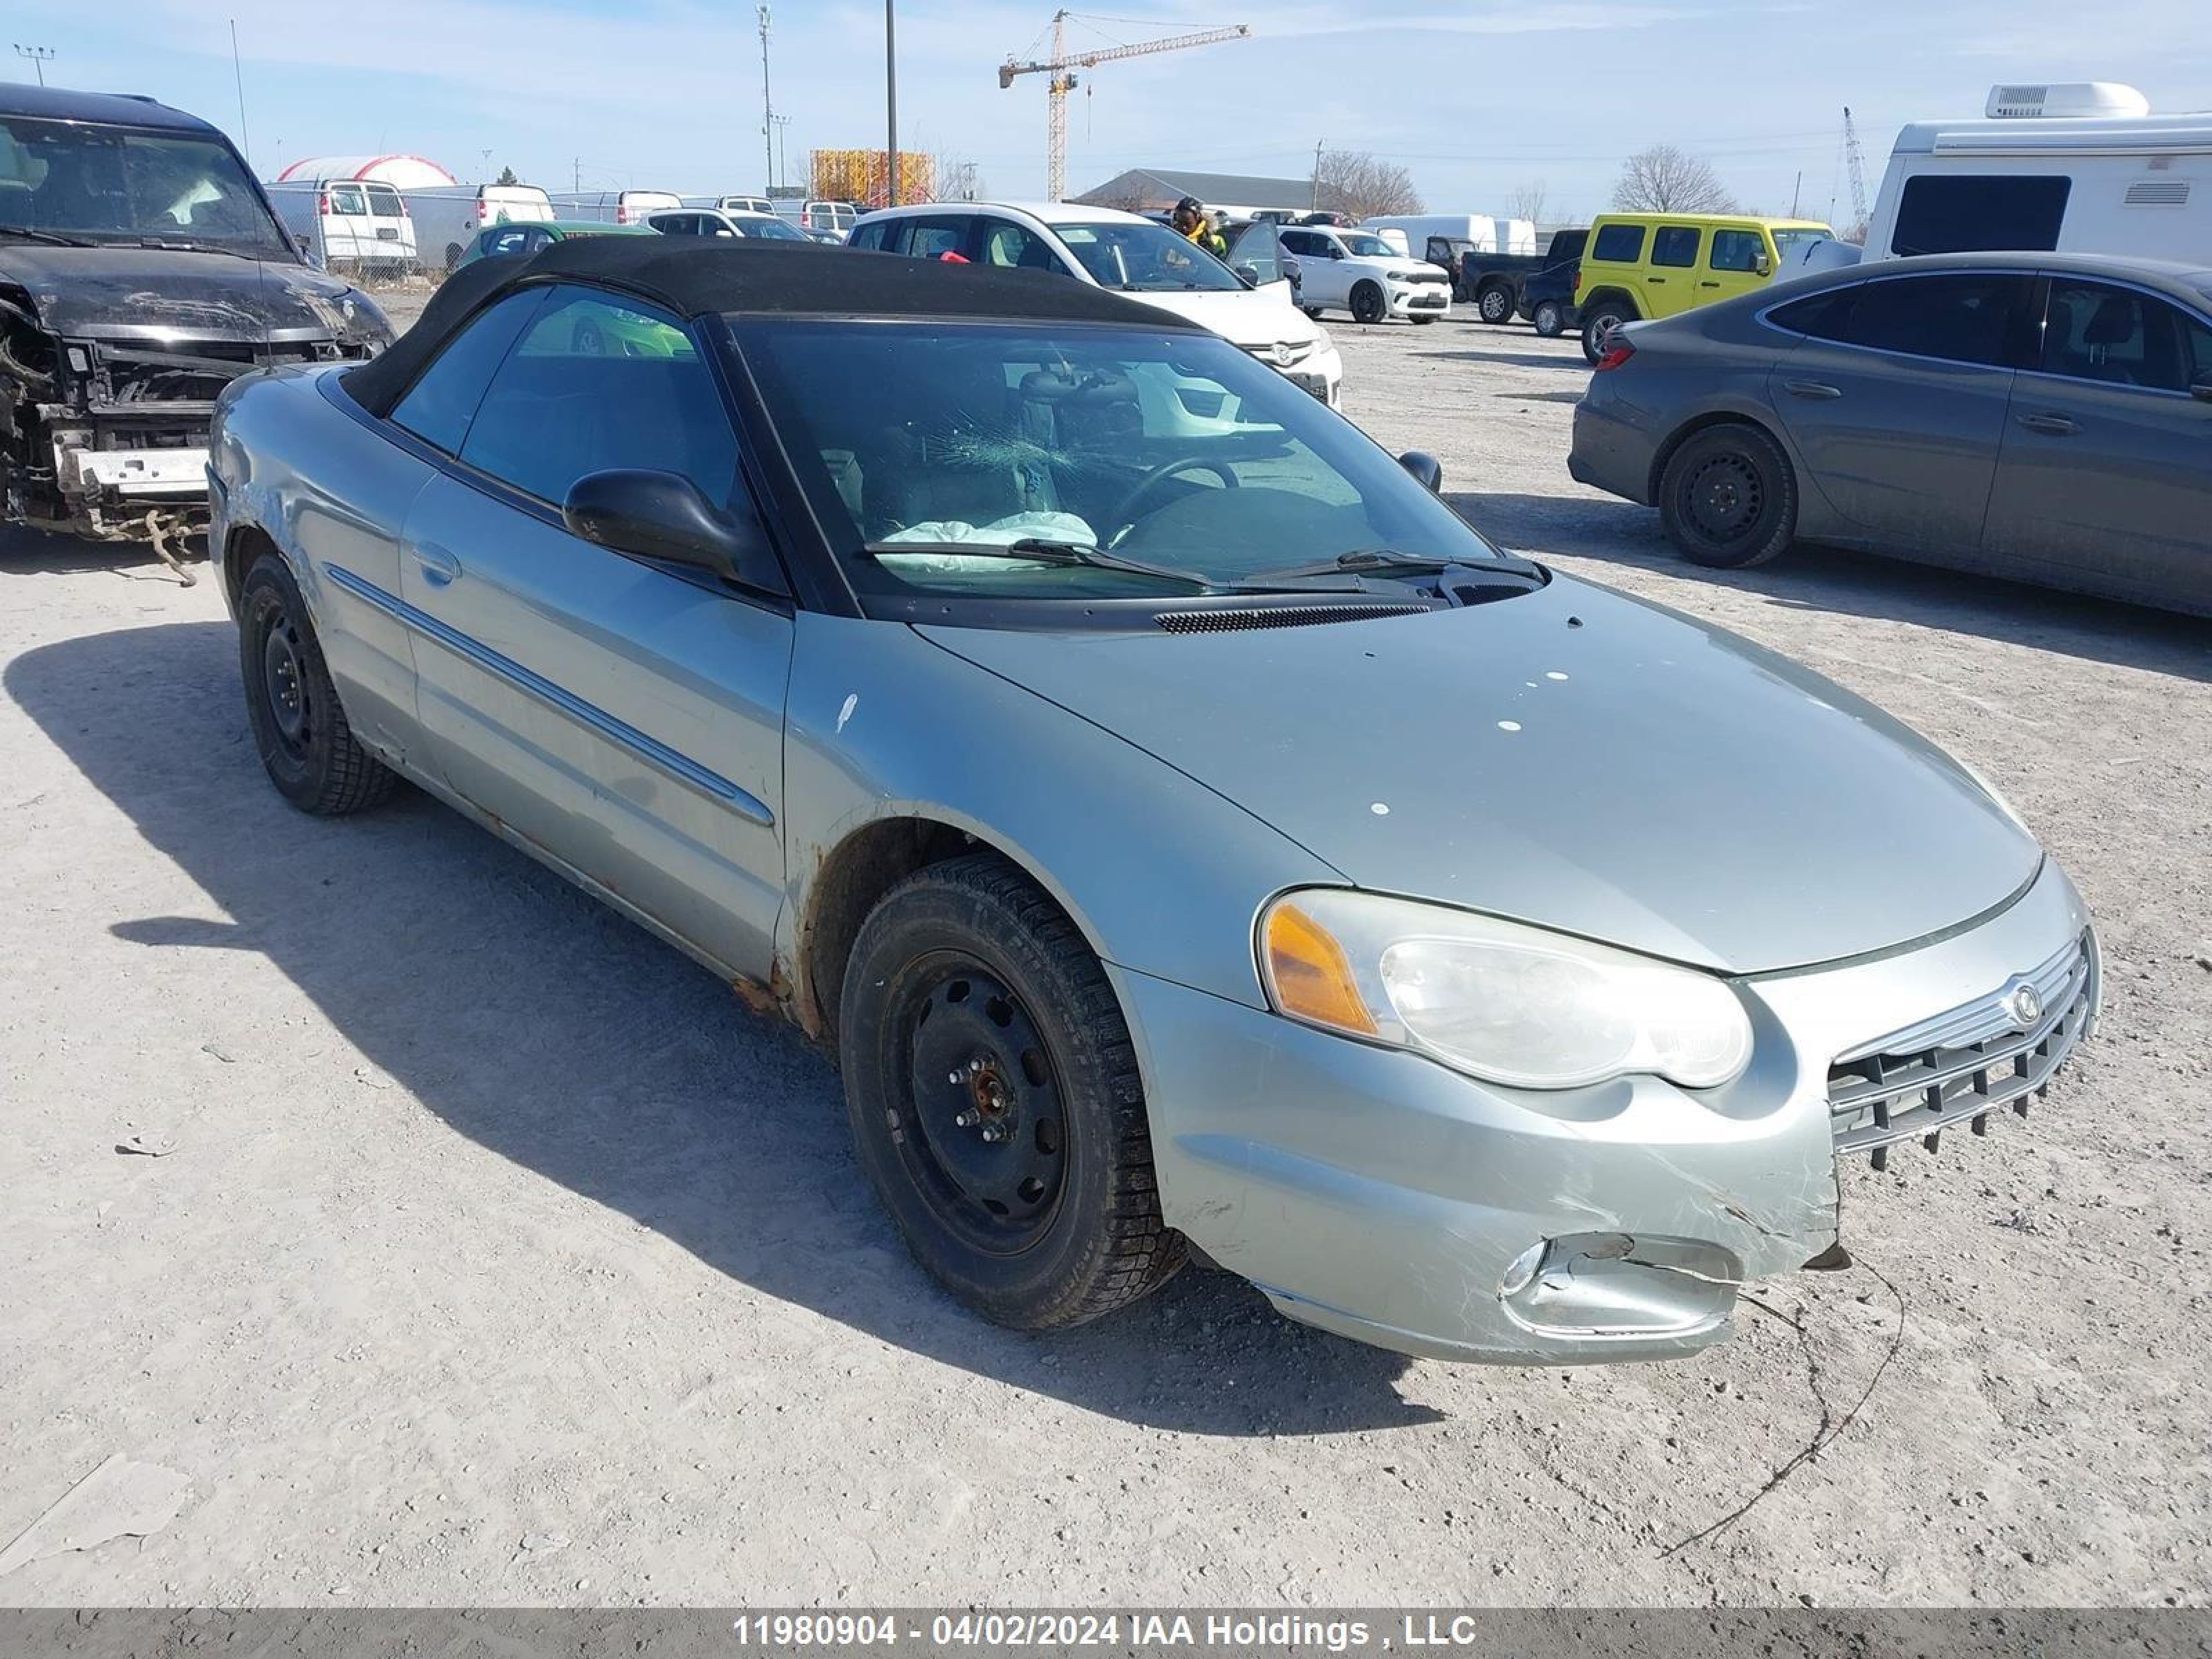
{"points": [[2039, 416]]}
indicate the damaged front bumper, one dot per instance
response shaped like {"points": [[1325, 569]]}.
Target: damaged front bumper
{"points": [[1375, 1193]]}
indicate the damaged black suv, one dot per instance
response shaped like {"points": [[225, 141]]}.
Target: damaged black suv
{"points": [[141, 272]]}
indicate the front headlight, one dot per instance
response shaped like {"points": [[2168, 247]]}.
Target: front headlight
{"points": [[1516, 1005]]}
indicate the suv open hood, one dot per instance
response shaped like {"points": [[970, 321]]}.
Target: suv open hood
{"points": [[145, 294], [1572, 758]]}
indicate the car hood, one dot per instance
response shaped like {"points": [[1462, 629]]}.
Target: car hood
{"points": [[1247, 317], [152, 294], [1420, 270], [1571, 759]]}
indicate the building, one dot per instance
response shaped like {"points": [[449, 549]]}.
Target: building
{"points": [[402, 172], [1153, 190]]}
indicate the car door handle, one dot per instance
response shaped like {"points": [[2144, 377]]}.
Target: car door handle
{"points": [[1812, 389], [2053, 426], [439, 567], [1655, 279], [1708, 284]]}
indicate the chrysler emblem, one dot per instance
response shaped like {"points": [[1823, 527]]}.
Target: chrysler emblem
{"points": [[2024, 1005]]}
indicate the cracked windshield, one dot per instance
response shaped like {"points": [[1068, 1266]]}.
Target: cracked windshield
{"points": [[72, 183], [1084, 462]]}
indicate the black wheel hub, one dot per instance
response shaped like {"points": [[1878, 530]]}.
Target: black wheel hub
{"points": [[991, 1152], [1722, 497], [284, 684]]}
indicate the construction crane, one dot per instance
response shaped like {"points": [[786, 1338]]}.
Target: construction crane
{"points": [[1856, 160], [1062, 65]]}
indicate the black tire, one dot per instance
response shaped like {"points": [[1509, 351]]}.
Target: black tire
{"points": [[1313, 311], [1368, 305], [1728, 498], [1494, 303], [1421, 321], [1551, 319], [972, 1004], [453, 255], [1598, 322], [306, 745]]}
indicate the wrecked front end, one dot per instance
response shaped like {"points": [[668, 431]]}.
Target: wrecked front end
{"points": [[111, 362], [1385, 1198]]}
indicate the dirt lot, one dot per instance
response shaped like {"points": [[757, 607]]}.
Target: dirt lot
{"points": [[502, 1257]]}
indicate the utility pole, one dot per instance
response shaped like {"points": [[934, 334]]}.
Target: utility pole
{"points": [[576, 175], [768, 105], [1796, 190], [40, 56], [1316, 182], [891, 100], [782, 156]]}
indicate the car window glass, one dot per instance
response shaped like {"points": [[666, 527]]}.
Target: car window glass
{"points": [[439, 405], [384, 201], [1007, 244], [1965, 318], [592, 384], [348, 199], [870, 235], [1978, 214], [2117, 336], [1824, 316], [1734, 249], [1175, 448], [1258, 252], [933, 239], [1620, 244], [1674, 244]]}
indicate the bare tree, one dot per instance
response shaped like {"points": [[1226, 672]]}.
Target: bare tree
{"points": [[1352, 181], [1530, 202], [1665, 179], [958, 179]]}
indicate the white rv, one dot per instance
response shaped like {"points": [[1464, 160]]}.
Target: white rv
{"points": [[448, 216], [2084, 168]]}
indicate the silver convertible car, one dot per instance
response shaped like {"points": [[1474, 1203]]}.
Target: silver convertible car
{"points": [[1010, 684]]}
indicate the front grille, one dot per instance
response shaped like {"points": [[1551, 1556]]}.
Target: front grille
{"points": [[1281, 616], [1962, 1065]]}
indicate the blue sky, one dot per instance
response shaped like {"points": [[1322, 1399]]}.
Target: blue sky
{"points": [[1476, 97]]}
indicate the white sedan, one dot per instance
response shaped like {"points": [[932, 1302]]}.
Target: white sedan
{"points": [[717, 221], [1248, 305]]}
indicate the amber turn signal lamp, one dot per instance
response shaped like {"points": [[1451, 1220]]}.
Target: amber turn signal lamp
{"points": [[1309, 975]]}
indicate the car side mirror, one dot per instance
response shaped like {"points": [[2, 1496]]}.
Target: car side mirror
{"points": [[1427, 471], [1248, 275], [1761, 265], [663, 515]]}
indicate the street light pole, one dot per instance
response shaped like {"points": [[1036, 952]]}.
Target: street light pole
{"points": [[891, 97], [39, 56], [768, 105]]}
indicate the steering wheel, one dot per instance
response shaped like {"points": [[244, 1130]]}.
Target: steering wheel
{"points": [[1137, 502]]}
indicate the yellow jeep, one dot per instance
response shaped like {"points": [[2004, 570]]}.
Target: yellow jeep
{"points": [[1655, 265]]}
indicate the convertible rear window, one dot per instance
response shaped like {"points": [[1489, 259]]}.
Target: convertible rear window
{"points": [[1174, 450]]}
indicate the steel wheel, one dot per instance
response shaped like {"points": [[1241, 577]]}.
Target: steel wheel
{"points": [[284, 684], [990, 1151], [1722, 496]]}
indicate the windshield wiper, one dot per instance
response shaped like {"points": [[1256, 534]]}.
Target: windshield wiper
{"points": [[1038, 549], [1389, 562], [47, 236]]}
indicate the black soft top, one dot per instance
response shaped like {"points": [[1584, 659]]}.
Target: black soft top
{"points": [[692, 278]]}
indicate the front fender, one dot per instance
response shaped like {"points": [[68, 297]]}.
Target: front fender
{"points": [[1163, 875]]}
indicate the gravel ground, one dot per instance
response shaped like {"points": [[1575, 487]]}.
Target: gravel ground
{"points": [[503, 1258]]}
